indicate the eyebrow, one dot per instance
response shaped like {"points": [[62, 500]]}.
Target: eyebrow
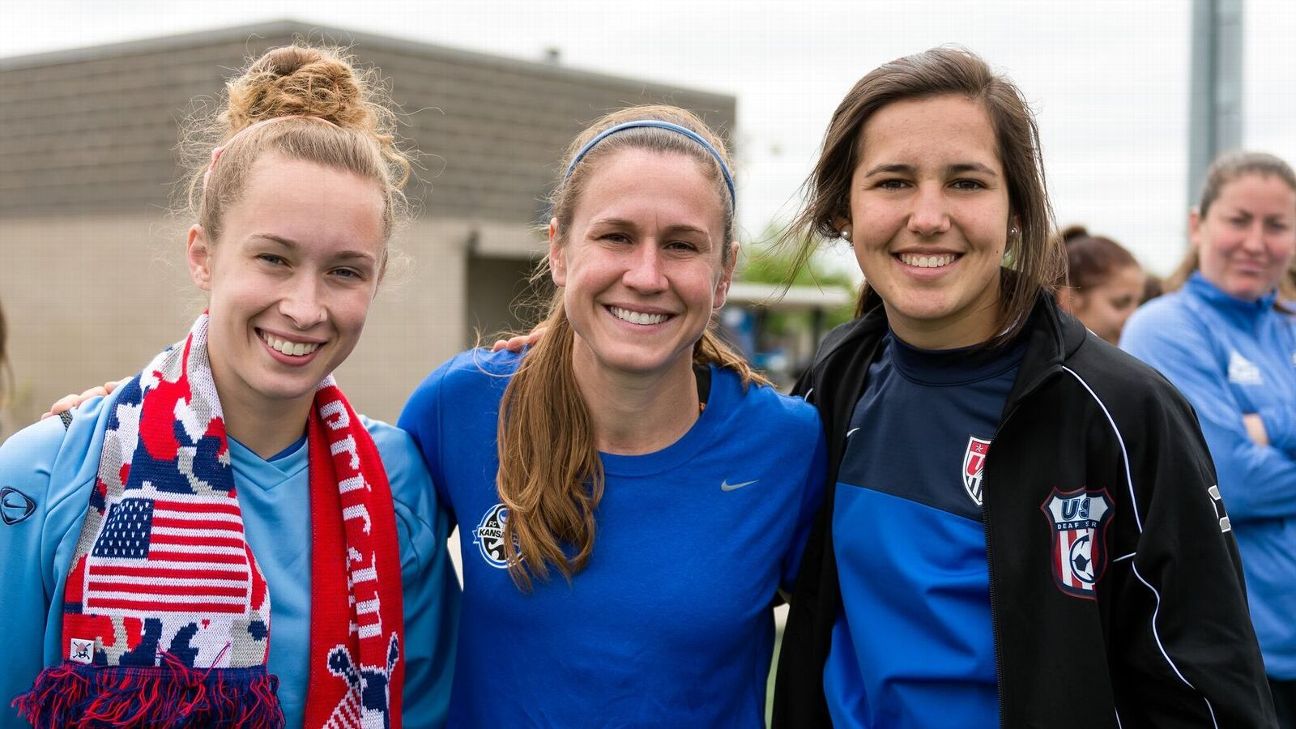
{"points": [[293, 245], [676, 228], [954, 169]]}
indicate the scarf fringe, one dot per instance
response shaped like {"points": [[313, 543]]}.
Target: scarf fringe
{"points": [[162, 697]]}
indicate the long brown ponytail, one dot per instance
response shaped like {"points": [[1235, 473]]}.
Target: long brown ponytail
{"points": [[550, 474]]}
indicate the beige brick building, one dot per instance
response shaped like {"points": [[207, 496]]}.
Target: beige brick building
{"points": [[91, 267]]}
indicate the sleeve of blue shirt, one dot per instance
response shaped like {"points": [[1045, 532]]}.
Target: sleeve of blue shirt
{"points": [[812, 492], [421, 418], [1255, 481], [45, 474], [1280, 426], [431, 590]]}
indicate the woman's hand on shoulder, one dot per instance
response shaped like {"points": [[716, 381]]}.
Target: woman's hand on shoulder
{"points": [[71, 400], [520, 342]]}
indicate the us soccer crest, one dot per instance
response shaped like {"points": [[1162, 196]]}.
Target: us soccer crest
{"points": [[1079, 519], [973, 466]]}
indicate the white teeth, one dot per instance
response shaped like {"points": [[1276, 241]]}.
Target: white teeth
{"points": [[919, 261], [636, 317], [292, 349]]}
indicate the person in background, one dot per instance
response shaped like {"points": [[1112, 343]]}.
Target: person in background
{"points": [[1152, 288], [1227, 340], [1021, 527], [1104, 282], [156, 539], [630, 495]]}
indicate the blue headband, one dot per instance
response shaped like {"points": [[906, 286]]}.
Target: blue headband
{"points": [[656, 124]]}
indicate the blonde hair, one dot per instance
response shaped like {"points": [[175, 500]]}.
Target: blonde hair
{"points": [[550, 474], [297, 87]]}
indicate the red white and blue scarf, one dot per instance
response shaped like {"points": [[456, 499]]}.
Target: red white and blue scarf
{"points": [[166, 618]]}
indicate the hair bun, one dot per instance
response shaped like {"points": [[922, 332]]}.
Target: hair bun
{"points": [[1071, 232], [299, 81]]}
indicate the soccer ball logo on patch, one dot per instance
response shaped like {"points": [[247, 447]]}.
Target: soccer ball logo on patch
{"points": [[489, 536], [1079, 519], [974, 466]]}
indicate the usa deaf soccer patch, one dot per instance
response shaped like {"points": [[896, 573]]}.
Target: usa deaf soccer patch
{"points": [[1079, 519]]}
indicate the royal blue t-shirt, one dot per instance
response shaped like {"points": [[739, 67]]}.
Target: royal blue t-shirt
{"points": [[670, 623], [913, 645]]}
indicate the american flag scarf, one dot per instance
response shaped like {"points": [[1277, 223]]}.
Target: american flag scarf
{"points": [[166, 617]]}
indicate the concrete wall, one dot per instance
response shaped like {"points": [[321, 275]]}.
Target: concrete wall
{"points": [[92, 274], [93, 298]]}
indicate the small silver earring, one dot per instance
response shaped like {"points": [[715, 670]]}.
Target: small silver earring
{"points": [[1012, 230], [845, 233]]}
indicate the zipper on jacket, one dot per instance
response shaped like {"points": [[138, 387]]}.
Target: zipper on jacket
{"points": [[995, 625]]}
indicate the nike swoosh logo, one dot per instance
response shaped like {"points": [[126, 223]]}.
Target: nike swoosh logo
{"points": [[851, 432], [726, 486]]}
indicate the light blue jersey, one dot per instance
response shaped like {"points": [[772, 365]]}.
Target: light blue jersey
{"points": [[47, 473], [670, 624]]}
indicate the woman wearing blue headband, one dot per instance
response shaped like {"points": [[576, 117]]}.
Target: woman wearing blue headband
{"points": [[631, 453]]}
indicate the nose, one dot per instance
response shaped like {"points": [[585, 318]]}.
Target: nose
{"points": [[929, 215], [301, 303], [1253, 241], [644, 269]]}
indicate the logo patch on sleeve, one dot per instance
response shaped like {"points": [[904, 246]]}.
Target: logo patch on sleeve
{"points": [[15, 506], [1079, 525]]}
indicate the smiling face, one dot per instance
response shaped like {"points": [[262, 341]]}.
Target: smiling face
{"points": [[1104, 308], [929, 218], [290, 280], [641, 263], [1247, 239]]}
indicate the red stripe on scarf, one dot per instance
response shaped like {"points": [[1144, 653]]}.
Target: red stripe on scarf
{"points": [[360, 519]]}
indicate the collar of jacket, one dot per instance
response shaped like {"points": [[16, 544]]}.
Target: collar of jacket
{"points": [[1052, 337], [1240, 310]]}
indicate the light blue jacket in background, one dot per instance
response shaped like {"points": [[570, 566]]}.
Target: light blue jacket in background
{"points": [[1229, 358]]}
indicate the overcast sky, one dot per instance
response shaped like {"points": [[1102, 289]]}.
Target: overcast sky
{"points": [[1107, 78]]}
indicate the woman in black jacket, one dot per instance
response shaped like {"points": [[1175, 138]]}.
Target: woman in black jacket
{"points": [[1023, 527]]}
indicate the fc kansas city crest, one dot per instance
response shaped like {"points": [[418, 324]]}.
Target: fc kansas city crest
{"points": [[1079, 519], [974, 466], [489, 536]]}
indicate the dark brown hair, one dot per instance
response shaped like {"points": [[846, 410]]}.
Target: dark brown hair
{"points": [[1091, 259], [550, 474], [1225, 169], [1035, 253]]}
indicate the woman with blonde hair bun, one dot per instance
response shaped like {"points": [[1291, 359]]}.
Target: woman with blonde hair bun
{"points": [[161, 523], [631, 452]]}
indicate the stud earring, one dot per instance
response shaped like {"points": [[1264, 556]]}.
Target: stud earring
{"points": [[845, 233], [1012, 230]]}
